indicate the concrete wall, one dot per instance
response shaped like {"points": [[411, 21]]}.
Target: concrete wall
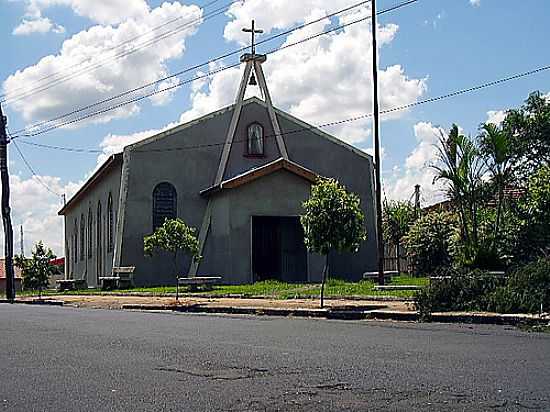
{"points": [[228, 247], [188, 157], [87, 267]]}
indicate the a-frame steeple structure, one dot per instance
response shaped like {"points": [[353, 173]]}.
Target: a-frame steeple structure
{"points": [[253, 69], [253, 66]]}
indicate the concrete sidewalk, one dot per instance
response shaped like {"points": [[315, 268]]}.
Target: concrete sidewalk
{"points": [[334, 308]]}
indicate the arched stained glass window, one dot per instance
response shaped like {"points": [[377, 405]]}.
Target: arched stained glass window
{"points": [[90, 233], [255, 140], [75, 242], [165, 203]]}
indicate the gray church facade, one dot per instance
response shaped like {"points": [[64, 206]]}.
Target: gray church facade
{"points": [[239, 176]]}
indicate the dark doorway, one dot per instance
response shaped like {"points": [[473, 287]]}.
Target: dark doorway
{"points": [[278, 249]]}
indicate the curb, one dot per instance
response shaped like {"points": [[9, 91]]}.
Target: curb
{"points": [[35, 302], [481, 319], [375, 298]]}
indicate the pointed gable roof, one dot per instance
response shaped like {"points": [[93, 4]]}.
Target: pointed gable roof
{"points": [[256, 173]]}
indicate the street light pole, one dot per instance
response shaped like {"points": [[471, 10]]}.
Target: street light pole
{"points": [[376, 131]]}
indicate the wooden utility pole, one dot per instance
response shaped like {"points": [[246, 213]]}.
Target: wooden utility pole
{"points": [[376, 131], [6, 217]]}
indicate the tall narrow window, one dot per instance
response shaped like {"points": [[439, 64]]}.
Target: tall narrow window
{"points": [[110, 223], [165, 203], [255, 140], [82, 237], [90, 233], [99, 244], [75, 257]]}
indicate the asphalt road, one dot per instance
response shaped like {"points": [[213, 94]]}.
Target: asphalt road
{"points": [[66, 359]]}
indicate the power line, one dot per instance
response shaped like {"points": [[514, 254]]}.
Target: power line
{"points": [[208, 62], [122, 54], [329, 124], [104, 51], [34, 174], [179, 84]]}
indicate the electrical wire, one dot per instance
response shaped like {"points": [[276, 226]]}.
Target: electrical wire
{"points": [[179, 84], [36, 82], [206, 63], [122, 54], [329, 124], [34, 174]]}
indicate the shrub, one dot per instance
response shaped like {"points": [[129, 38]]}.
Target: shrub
{"points": [[428, 242], [523, 292], [526, 290], [457, 290]]}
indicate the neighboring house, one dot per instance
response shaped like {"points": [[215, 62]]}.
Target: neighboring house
{"points": [[239, 175], [60, 263], [17, 273]]}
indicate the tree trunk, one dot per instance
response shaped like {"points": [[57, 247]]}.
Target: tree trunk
{"points": [[499, 210], [177, 276], [325, 271], [397, 249]]}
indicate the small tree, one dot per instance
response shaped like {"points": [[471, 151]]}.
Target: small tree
{"points": [[397, 218], [333, 220], [174, 237], [37, 270]]}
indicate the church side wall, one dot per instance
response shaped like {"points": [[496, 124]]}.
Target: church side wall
{"points": [[331, 159], [188, 160], [87, 265]]}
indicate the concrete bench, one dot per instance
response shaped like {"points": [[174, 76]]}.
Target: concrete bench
{"points": [[374, 275], [123, 277], [204, 282], [397, 287], [71, 284]]}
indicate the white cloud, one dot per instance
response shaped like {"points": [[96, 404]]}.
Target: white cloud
{"points": [[34, 207], [92, 46], [475, 3], [400, 184], [39, 25], [495, 116], [319, 81], [99, 11]]}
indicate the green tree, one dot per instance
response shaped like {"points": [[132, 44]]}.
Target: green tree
{"points": [[534, 211], [397, 218], [460, 167], [37, 270], [529, 127], [497, 149], [332, 221], [174, 237], [429, 240]]}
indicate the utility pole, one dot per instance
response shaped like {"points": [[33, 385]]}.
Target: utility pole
{"points": [[6, 218], [22, 244], [376, 130]]}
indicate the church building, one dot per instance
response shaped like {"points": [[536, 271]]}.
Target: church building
{"points": [[238, 175]]}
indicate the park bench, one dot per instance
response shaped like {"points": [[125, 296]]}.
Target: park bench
{"points": [[204, 282], [122, 277], [70, 284], [374, 275]]}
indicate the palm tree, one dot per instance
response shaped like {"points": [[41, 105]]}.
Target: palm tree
{"points": [[497, 149], [461, 168]]}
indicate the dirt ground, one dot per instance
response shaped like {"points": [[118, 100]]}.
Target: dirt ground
{"points": [[116, 302]]}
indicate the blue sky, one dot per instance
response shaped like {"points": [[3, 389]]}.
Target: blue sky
{"points": [[429, 48]]}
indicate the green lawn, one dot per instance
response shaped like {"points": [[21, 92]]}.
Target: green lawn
{"points": [[277, 290]]}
